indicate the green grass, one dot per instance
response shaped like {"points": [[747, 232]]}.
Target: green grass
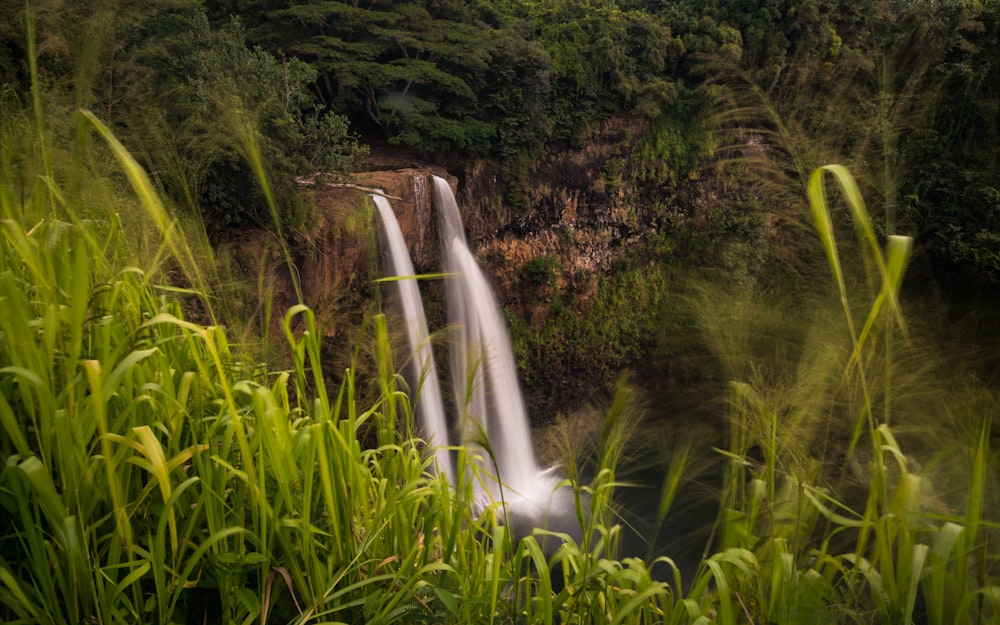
{"points": [[153, 472]]}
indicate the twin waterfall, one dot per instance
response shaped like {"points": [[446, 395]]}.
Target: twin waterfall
{"points": [[488, 406]]}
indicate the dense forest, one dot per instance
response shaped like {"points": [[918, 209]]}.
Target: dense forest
{"points": [[903, 93], [774, 403]]}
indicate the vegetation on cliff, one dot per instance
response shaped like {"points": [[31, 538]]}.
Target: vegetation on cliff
{"points": [[905, 93]]}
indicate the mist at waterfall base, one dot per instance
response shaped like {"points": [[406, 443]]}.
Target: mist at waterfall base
{"points": [[488, 406]]}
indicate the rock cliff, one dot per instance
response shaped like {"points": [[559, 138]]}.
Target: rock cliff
{"points": [[551, 255]]}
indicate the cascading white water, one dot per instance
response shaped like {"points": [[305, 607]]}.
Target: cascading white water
{"points": [[487, 393], [430, 407], [485, 378]]}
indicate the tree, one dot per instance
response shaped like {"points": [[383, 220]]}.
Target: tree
{"points": [[901, 93], [175, 90], [402, 69], [604, 59], [515, 91], [209, 89], [952, 192]]}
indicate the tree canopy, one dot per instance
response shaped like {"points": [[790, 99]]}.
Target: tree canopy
{"points": [[904, 92]]}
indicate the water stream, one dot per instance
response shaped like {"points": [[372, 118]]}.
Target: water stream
{"points": [[423, 371], [489, 408]]}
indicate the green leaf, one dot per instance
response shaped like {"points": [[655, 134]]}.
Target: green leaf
{"points": [[48, 498], [448, 599]]}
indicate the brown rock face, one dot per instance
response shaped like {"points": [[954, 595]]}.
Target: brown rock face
{"points": [[571, 220], [580, 212], [341, 260]]}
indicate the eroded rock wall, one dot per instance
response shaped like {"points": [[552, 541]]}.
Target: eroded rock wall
{"points": [[583, 212]]}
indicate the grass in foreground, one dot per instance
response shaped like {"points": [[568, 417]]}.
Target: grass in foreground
{"points": [[152, 473]]}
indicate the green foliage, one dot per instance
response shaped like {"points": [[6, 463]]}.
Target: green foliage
{"points": [[951, 172], [178, 92], [825, 510], [218, 90], [402, 68], [907, 97], [153, 473], [622, 320], [540, 271], [328, 146], [484, 80], [888, 90], [514, 92], [672, 147], [603, 60]]}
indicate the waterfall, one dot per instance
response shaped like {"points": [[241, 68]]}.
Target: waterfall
{"points": [[484, 373], [423, 372], [489, 405]]}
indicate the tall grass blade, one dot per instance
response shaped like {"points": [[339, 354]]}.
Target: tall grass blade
{"points": [[147, 194]]}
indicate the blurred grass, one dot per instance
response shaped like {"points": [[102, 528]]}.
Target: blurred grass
{"points": [[154, 472]]}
